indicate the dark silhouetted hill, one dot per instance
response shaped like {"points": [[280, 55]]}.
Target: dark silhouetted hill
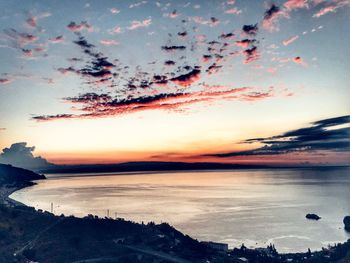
{"points": [[19, 177]]}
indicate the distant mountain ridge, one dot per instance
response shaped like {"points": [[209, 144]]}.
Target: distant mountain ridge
{"points": [[145, 166]]}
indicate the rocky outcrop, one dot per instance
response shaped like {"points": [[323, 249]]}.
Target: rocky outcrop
{"points": [[347, 223], [312, 217]]}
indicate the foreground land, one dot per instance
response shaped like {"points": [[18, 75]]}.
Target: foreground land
{"points": [[29, 235]]}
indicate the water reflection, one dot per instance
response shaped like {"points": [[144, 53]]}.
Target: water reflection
{"points": [[254, 207]]}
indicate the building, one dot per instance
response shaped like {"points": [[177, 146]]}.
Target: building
{"points": [[217, 246]]}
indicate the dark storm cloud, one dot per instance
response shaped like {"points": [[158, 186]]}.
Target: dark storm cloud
{"points": [[18, 154], [323, 135]]}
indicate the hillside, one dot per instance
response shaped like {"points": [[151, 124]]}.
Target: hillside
{"points": [[18, 177]]}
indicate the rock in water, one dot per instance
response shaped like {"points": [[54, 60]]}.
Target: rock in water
{"points": [[313, 217], [347, 223]]}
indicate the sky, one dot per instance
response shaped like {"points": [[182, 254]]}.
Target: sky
{"points": [[220, 81]]}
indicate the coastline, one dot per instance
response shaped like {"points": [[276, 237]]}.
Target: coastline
{"points": [[128, 243], [290, 231], [181, 200], [5, 198]]}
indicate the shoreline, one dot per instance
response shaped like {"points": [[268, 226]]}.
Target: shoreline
{"points": [[5, 193], [15, 202], [41, 230]]}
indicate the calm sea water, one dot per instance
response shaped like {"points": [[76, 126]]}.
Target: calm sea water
{"points": [[254, 207]]}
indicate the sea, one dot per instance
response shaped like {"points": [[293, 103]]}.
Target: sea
{"points": [[251, 207]]}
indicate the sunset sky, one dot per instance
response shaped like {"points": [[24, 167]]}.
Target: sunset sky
{"points": [[224, 81]]}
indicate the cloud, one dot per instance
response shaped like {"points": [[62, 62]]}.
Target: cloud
{"points": [[290, 40], [214, 68], [251, 54], [27, 53], [271, 17], [300, 61], [169, 63], [95, 105], [137, 4], [250, 30], [324, 135], [332, 8], [55, 40], [206, 58], [53, 117], [296, 4], [140, 24], [245, 43], [116, 30], [182, 34], [227, 36], [19, 40], [233, 11], [213, 21], [173, 14], [83, 25], [114, 10], [99, 67], [136, 81], [18, 154], [68, 70], [325, 10], [32, 21], [187, 79], [173, 48], [4, 81], [109, 42]]}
